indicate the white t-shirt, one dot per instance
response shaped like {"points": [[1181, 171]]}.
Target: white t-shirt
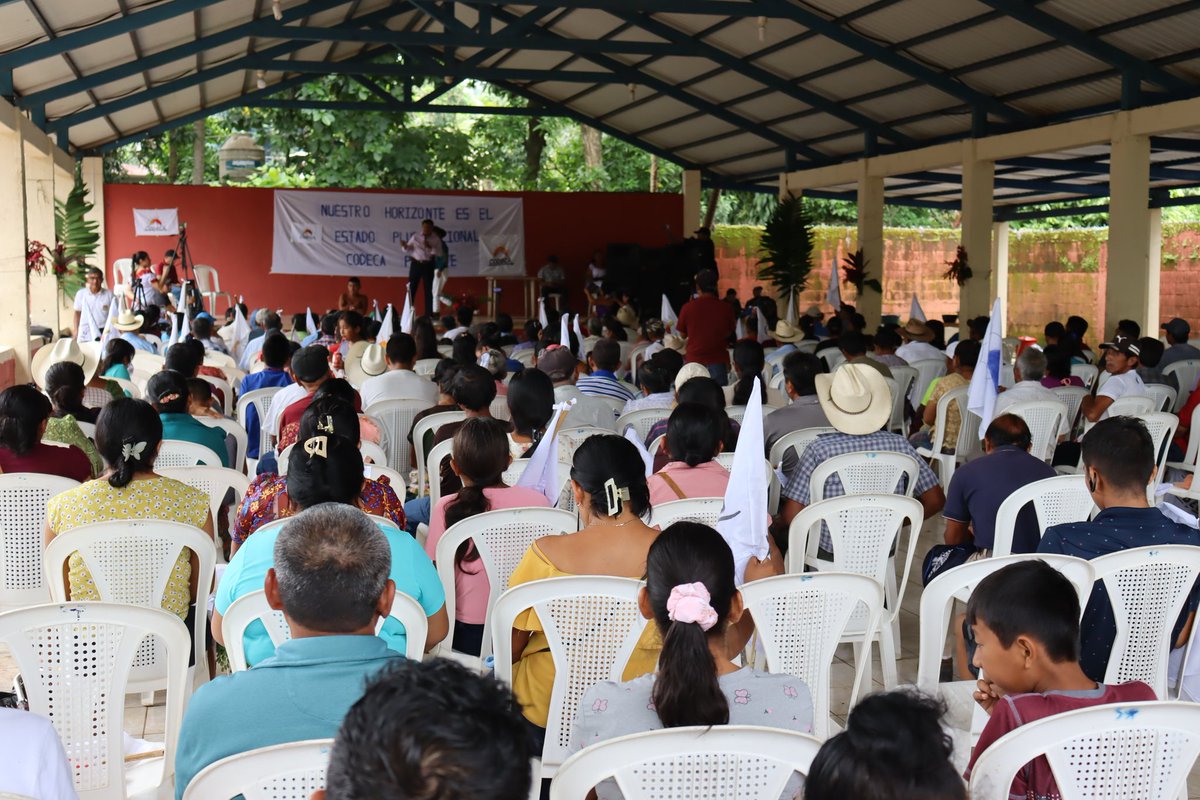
{"points": [[398, 384], [916, 351], [1028, 392], [279, 403], [93, 313], [35, 764], [1118, 386]]}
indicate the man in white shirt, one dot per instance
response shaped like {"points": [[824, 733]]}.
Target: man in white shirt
{"points": [[1029, 369], [423, 249], [399, 382], [1121, 360], [464, 315], [917, 337], [35, 764], [552, 277], [91, 308]]}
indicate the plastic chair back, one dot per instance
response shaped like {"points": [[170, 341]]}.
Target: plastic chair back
{"points": [[261, 400], [291, 771], [1088, 373], [1187, 375], [1161, 426], [397, 419], [501, 538], [516, 469], [592, 625], [695, 763], [216, 482], [705, 510], [1147, 588], [928, 370], [425, 367], [902, 381], [1131, 405], [440, 452], [178, 453], [642, 421], [799, 440], [1143, 750], [127, 386], [1063, 498], [800, 621], [590, 411], [23, 498], [253, 607], [1072, 398], [832, 357], [428, 426], [569, 440], [1164, 396], [207, 279], [240, 438], [123, 272], [75, 660], [866, 473], [1045, 421]]}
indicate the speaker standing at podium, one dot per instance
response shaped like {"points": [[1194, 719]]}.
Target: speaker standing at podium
{"points": [[423, 249]]}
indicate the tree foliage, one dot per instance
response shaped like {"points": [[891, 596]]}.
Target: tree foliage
{"points": [[787, 245]]}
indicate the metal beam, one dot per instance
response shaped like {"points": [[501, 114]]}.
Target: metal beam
{"points": [[732, 8], [452, 69], [473, 39], [404, 108]]}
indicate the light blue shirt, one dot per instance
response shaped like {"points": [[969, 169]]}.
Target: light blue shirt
{"points": [[138, 342], [302, 692], [412, 571]]}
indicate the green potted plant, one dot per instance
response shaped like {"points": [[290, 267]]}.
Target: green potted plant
{"points": [[75, 237], [960, 270], [854, 267], [786, 246]]}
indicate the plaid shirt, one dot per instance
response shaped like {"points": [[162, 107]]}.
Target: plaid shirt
{"points": [[828, 445]]}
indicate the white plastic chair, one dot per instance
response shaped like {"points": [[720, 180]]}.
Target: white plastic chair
{"points": [[291, 771], [178, 453], [1192, 453], [130, 562], [395, 479], [590, 411], [867, 472], [499, 408], [253, 607], [1135, 750], [1088, 373], [832, 357], [695, 763], [569, 440], [1131, 405], [738, 413], [525, 356], [1164, 396], [216, 482], [1072, 398], [862, 529], [901, 384], [222, 385], [967, 443], [799, 440], [122, 272], [1161, 426], [642, 421], [1147, 588], [261, 400], [208, 283], [1187, 374], [437, 454], [1045, 421], [928, 370], [372, 454], [801, 619], [705, 510], [240, 438], [425, 367], [777, 381], [516, 469], [424, 426], [140, 378], [75, 660], [397, 418], [592, 625], [501, 538], [1063, 498], [127, 386], [23, 497]]}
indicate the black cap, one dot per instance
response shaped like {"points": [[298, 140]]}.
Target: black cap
{"points": [[1178, 328], [310, 364], [1123, 344]]}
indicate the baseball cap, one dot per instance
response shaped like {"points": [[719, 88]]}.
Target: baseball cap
{"points": [[310, 363], [1178, 328], [1124, 345], [557, 361]]}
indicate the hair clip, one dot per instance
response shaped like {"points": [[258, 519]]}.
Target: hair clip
{"points": [[325, 425], [615, 496], [169, 397], [317, 446], [132, 450]]}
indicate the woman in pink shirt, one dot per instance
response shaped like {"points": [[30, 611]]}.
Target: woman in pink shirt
{"points": [[479, 457], [693, 442]]}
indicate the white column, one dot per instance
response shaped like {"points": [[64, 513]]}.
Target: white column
{"points": [[1131, 289], [977, 193], [39, 219], [870, 239], [64, 178], [93, 178], [14, 311], [1000, 270], [691, 202]]}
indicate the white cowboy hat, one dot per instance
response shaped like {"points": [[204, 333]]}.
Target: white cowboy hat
{"points": [[676, 343], [128, 321], [689, 371], [65, 350], [855, 398], [374, 361], [785, 332], [352, 364]]}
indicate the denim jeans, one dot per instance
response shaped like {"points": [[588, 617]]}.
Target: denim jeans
{"points": [[415, 511]]}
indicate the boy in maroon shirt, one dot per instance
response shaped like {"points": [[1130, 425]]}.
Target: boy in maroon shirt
{"points": [[708, 322]]}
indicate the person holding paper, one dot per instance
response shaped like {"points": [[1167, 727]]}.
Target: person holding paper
{"points": [[423, 250]]}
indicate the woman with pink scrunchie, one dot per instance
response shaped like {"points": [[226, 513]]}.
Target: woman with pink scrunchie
{"points": [[691, 596]]}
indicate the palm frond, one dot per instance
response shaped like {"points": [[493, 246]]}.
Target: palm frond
{"points": [[786, 245]]}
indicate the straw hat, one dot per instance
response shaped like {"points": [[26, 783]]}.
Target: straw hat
{"points": [[915, 330], [690, 371], [785, 332], [627, 317], [855, 398], [673, 342], [815, 312], [352, 364], [85, 356], [128, 321]]}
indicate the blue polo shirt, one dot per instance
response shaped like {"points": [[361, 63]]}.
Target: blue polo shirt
{"points": [[1113, 529], [264, 379], [412, 572], [302, 692], [980, 486]]}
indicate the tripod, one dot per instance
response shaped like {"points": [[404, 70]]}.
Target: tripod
{"points": [[184, 253]]}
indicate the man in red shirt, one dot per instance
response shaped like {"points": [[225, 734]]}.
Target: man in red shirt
{"points": [[708, 322]]}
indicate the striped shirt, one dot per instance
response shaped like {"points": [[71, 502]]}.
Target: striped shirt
{"points": [[603, 383]]}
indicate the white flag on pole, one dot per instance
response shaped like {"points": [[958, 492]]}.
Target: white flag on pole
{"points": [[791, 308], [915, 311], [739, 329], [632, 435], [173, 338], [985, 382], [579, 352], [185, 327], [564, 330], [439, 284], [407, 315], [764, 330], [542, 472], [744, 518], [543, 320], [240, 336], [375, 311], [310, 322], [833, 294], [668, 314], [114, 310], [387, 328]]}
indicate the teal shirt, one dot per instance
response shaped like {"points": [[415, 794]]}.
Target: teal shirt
{"points": [[302, 692], [187, 428], [117, 371], [412, 572]]}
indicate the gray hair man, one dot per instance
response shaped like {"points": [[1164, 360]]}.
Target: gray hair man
{"points": [[1029, 369], [331, 581]]}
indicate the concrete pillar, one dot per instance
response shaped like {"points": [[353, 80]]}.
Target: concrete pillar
{"points": [[93, 178], [870, 239], [64, 178], [691, 202], [1000, 270], [39, 219], [975, 297], [1131, 290], [14, 311]]}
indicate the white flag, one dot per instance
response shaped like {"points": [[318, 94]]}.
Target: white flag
{"points": [[744, 519], [156, 222], [310, 323], [173, 338], [791, 308], [833, 295], [985, 382], [114, 310], [439, 283], [240, 336], [579, 352], [407, 315], [375, 311], [542, 472], [915, 311], [564, 330], [185, 327], [764, 330], [387, 328], [668, 314], [739, 329], [543, 320], [632, 435]]}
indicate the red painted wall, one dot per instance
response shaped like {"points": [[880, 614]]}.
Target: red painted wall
{"points": [[230, 228]]}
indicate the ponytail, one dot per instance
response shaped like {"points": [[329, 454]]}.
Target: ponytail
{"points": [[749, 359], [480, 452], [128, 433]]}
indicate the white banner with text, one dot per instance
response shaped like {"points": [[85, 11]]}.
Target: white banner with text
{"points": [[364, 233]]}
